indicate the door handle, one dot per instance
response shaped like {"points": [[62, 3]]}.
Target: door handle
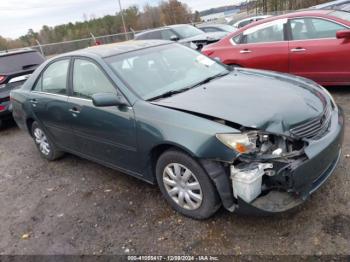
{"points": [[34, 102], [74, 110], [298, 49], [245, 51]]}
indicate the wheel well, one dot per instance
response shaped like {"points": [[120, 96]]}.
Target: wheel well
{"points": [[29, 123], [157, 151]]}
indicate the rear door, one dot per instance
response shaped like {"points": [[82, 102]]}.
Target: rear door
{"points": [[107, 134], [50, 105], [263, 47], [316, 53]]}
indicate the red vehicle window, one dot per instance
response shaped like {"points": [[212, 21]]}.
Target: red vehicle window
{"points": [[314, 28]]}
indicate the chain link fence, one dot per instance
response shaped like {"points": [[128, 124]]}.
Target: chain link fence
{"points": [[53, 49]]}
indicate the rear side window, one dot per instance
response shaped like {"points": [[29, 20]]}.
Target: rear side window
{"points": [[314, 28], [166, 34], [54, 78], [14, 63], [265, 33], [88, 79]]}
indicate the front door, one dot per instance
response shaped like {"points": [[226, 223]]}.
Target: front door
{"points": [[106, 134], [316, 53]]}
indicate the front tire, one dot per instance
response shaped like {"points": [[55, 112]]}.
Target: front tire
{"points": [[186, 186], [46, 148]]}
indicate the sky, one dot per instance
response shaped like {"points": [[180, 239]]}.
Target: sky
{"points": [[17, 16]]}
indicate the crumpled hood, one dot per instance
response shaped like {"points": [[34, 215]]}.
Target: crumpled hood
{"points": [[252, 98], [215, 36]]}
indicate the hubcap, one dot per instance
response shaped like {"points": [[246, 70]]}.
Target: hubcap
{"points": [[182, 186], [41, 140]]}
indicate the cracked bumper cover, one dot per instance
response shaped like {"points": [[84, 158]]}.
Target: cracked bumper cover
{"points": [[322, 158]]}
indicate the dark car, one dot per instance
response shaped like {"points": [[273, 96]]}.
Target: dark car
{"points": [[15, 68], [212, 28], [208, 135], [184, 34]]}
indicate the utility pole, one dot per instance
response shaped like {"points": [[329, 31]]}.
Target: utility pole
{"points": [[122, 14]]}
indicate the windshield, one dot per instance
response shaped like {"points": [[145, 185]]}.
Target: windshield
{"points": [[155, 71], [342, 15], [228, 28], [186, 31]]}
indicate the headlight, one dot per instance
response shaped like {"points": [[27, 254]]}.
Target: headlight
{"points": [[261, 144], [244, 143]]}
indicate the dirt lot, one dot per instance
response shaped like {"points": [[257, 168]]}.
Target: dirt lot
{"points": [[73, 206]]}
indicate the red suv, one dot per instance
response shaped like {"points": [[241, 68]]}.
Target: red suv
{"points": [[312, 44]]}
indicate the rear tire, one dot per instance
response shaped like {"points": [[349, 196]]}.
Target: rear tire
{"points": [[45, 146], [186, 186]]}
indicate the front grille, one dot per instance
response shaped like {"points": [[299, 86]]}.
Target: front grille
{"points": [[315, 128]]}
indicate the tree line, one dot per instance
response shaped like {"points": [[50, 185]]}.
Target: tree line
{"points": [[167, 12], [266, 6]]}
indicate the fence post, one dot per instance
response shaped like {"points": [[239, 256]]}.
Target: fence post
{"points": [[40, 47]]}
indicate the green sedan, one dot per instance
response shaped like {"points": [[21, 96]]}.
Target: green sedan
{"points": [[209, 135]]}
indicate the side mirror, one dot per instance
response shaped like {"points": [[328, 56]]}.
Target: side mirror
{"points": [[107, 99], [174, 38], [343, 34]]}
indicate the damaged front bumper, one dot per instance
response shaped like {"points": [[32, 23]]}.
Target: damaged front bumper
{"points": [[293, 183]]}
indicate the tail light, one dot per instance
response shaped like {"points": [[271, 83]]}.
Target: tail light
{"points": [[2, 108], [2, 79]]}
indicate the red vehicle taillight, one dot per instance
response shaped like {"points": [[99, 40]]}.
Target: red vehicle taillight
{"points": [[2, 108], [2, 79]]}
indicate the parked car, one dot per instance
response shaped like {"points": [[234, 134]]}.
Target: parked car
{"points": [[184, 34], [311, 44], [247, 21], [343, 5], [15, 68], [207, 134], [211, 28]]}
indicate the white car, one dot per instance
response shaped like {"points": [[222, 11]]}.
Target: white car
{"points": [[248, 20], [343, 5]]}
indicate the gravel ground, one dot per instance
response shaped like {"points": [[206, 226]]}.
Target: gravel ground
{"points": [[73, 206]]}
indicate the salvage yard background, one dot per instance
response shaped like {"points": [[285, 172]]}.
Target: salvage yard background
{"points": [[73, 206]]}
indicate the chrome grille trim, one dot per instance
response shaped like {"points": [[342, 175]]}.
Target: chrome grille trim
{"points": [[315, 128]]}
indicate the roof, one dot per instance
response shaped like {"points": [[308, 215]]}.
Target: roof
{"points": [[19, 51], [120, 48]]}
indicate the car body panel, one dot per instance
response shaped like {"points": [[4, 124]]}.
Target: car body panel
{"points": [[274, 96]]}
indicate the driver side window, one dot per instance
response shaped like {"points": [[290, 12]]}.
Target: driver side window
{"points": [[88, 79]]}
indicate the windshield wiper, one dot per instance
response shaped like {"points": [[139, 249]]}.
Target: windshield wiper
{"points": [[169, 93], [174, 92], [207, 80]]}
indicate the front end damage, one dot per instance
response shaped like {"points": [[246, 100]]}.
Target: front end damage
{"points": [[279, 172]]}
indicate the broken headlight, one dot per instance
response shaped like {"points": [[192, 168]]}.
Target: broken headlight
{"points": [[260, 143], [244, 143]]}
